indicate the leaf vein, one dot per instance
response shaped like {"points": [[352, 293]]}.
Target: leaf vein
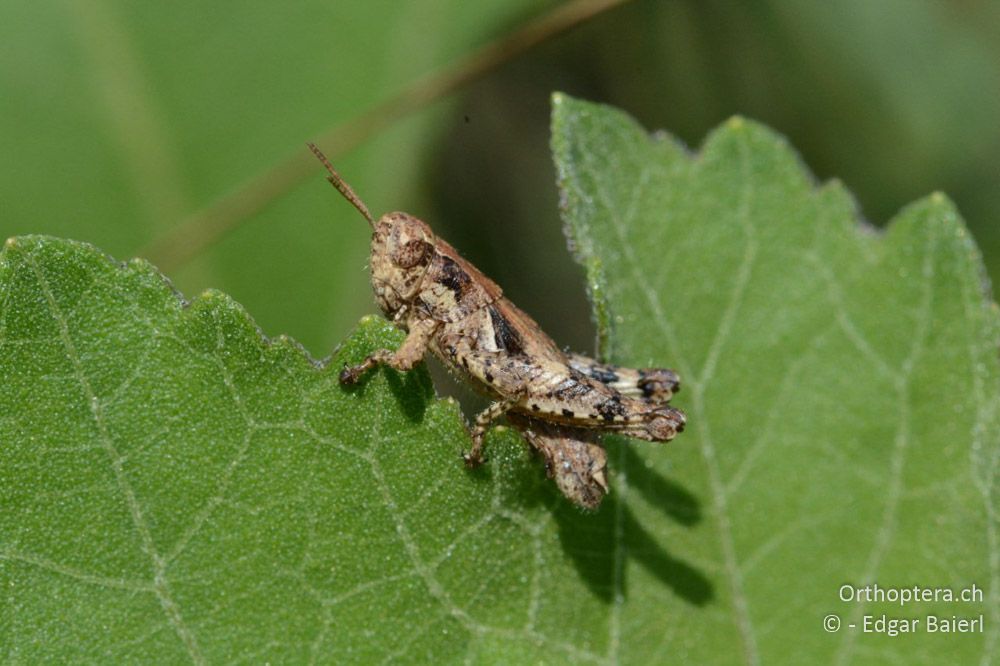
{"points": [[160, 585]]}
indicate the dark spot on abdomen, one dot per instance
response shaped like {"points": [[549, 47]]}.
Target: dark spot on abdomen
{"points": [[611, 408]]}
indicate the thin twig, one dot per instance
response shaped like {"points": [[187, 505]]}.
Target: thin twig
{"points": [[208, 226]]}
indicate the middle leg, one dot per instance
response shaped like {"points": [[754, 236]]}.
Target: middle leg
{"points": [[474, 458]]}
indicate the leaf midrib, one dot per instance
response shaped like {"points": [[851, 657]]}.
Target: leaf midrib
{"points": [[160, 585]]}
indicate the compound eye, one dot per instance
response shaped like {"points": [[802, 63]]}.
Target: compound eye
{"points": [[412, 253]]}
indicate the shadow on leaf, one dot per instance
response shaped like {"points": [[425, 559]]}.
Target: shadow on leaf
{"points": [[410, 391], [591, 539], [668, 496]]}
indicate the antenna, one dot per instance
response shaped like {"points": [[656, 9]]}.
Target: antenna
{"points": [[342, 185]]}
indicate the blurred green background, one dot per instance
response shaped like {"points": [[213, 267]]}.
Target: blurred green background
{"points": [[118, 120]]}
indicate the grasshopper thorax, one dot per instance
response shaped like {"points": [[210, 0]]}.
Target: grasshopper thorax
{"points": [[402, 250]]}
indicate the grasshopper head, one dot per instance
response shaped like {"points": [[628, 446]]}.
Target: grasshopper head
{"points": [[402, 249]]}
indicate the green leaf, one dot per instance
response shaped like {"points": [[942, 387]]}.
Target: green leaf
{"points": [[176, 487], [841, 387]]}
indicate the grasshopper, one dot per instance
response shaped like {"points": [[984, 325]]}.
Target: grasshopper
{"points": [[560, 402]]}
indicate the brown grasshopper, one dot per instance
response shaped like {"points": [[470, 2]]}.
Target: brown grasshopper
{"points": [[561, 403]]}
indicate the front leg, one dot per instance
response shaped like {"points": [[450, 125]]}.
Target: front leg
{"points": [[410, 353]]}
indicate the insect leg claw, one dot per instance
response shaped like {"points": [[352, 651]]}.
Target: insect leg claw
{"points": [[473, 459], [349, 375]]}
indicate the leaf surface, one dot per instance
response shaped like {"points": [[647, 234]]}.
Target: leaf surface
{"points": [[177, 487], [840, 384]]}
